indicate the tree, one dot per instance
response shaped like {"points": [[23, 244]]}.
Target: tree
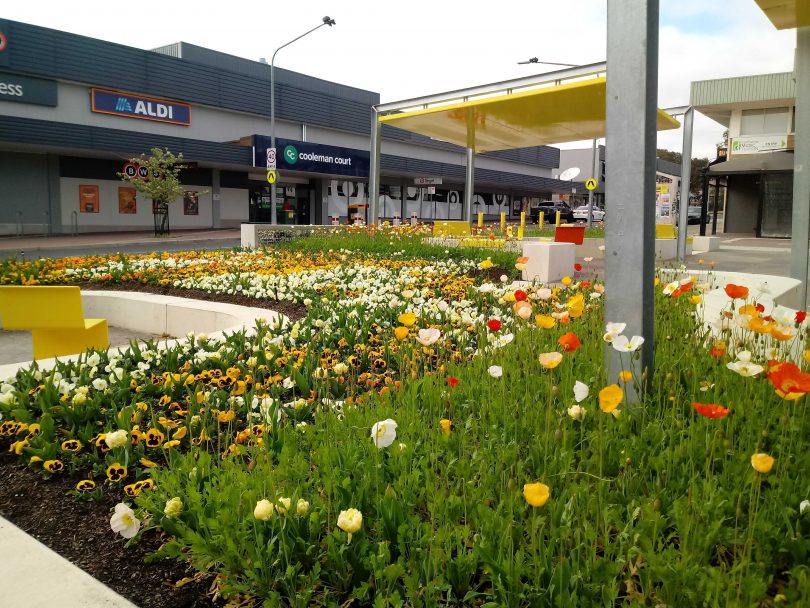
{"points": [[699, 166], [162, 183]]}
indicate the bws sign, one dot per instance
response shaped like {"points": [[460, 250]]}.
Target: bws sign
{"points": [[138, 106]]}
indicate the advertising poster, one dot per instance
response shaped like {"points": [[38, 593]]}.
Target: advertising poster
{"points": [[191, 203], [127, 202], [88, 199]]}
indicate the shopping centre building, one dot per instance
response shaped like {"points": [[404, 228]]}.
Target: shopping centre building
{"points": [[74, 110]]}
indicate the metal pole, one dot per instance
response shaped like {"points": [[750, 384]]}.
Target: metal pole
{"points": [[590, 192], [800, 237], [469, 184], [374, 169], [686, 177], [325, 21], [631, 134]]}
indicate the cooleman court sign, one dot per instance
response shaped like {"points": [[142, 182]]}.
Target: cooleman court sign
{"points": [[138, 106], [312, 158], [24, 89]]}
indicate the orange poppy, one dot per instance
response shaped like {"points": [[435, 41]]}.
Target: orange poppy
{"points": [[569, 342], [788, 380], [711, 410], [718, 349], [736, 291]]}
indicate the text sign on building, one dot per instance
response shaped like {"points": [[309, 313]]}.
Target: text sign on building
{"points": [[24, 89], [138, 106], [312, 158], [5, 53], [753, 144], [427, 181]]}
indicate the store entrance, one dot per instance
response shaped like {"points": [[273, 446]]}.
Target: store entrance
{"points": [[292, 204]]}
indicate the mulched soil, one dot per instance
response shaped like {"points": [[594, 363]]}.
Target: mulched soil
{"points": [[80, 532]]}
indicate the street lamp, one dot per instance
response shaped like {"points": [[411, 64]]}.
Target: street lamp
{"points": [[325, 21], [536, 60]]}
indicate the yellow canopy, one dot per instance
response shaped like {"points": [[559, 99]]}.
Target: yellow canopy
{"points": [[786, 14], [567, 112]]}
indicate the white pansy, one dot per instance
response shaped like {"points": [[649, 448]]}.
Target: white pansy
{"points": [[100, 384]]}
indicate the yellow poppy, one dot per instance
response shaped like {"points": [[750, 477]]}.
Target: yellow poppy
{"points": [[576, 306], [401, 333], [762, 463], [536, 494], [610, 397], [545, 322], [446, 425], [407, 319], [566, 281], [625, 375], [550, 360]]}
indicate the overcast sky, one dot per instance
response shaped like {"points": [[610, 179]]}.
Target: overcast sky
{"points": [[407, 49]]}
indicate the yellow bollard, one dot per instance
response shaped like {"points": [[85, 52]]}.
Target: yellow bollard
{"points": [[557, 222], [480, 220], [522, 219], [520, 233], [542, 219], [503, 221]]}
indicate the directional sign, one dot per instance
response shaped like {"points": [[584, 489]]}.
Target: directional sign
{"points": [[272, 176], [591, 183], [271, 158], [427, 181]]}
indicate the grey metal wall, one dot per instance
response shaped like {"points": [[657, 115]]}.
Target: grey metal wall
{"points": [[742, 208], [24, 189]]}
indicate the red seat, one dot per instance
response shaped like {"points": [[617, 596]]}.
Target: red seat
{"points": [[569, 234]]}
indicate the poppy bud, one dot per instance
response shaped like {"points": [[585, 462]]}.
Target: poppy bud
{"points": [[656, 505], [765, 433], [558, 434], [555, 390]]}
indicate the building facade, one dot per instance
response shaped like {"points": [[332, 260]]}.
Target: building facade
{"points": [[74, 111]]}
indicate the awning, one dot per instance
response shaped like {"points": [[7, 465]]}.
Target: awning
{"points": [[554, 114], [755, 163], [786, 14]]}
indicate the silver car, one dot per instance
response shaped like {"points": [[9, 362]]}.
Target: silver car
{"points": [[581, 214]]}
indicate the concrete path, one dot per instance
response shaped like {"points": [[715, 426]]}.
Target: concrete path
{"points": [[33, 576]]}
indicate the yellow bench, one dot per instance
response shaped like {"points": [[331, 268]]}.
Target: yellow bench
{"points": [[451, 228], [55, 317], [667, 232]]}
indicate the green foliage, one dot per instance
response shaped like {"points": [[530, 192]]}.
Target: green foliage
{"points": [[163, 185]]}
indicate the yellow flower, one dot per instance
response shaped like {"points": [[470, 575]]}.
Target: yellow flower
{"points": [[657, 281], [762, 463], [806, 356], [350, 521], [486, 264], [545, 322], [263, 510], [53, 466], [550, 360], [401, 333], [566, 281], [226, 416], [447, 425], [750, 310], [625, 375], [610, 397], [180, 433], [407, 319], [145, 462], [695, 300], [536, 494], [171, 444], [576, 306], [302, 507], [173, 507]]}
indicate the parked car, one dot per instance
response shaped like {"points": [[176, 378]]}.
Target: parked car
{"points": [[581, 214], [550, 209], [692, 215]]}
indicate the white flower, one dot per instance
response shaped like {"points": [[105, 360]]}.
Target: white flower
{"points": [[283, 505], [116, 439], [340, 368], [173, 507], [581, 391], [124, 521], [408, 294], [442, 306], [504, 278], [671, 287], [288, 383], [577, 412], [100, 384], [383, 433], [496, 371], [803, 506], [263, 510], [428, 336], [486, 288], [544, 293], [623, 345], [744, 368], [93, 360], [8, 399], [302, 507], [744, 356], [350, 521]]}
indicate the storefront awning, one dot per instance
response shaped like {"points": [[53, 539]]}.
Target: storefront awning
{"points": [[755, 163], [786, 14], [555, 114]]}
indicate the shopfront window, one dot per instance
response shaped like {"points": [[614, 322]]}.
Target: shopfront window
{"points": [[764, 121], [777, 205]]}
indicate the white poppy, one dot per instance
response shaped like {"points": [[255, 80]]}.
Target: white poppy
{"points": [[803, 506], [124, 521], [745, 368], [581, 391], [428, 336], [496, 371], [383, 433], [623, 345]]}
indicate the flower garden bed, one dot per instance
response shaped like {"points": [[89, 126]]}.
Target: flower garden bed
{"points": [[425, 435]]}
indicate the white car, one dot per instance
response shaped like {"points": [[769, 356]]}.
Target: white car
{"points": [[581, 214]]}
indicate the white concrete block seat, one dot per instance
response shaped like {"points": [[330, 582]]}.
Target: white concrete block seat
{"points": [[548, 262], [162, 315]]}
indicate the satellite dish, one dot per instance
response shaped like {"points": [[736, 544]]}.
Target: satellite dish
{"points": [[569, 174]]}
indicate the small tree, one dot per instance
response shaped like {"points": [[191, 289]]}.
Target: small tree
{"points": [[161, 182]]}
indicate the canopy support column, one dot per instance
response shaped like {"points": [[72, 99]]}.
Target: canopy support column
{"points": [[632, 88], [590, 192], [469, 185], [686, 178], [374, 168], [800, 237]]}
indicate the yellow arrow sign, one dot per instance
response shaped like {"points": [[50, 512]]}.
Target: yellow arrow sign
{"points": [[591, 184], [272, 176]]}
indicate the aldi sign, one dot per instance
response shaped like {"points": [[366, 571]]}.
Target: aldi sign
{"points": [[138, 106]]}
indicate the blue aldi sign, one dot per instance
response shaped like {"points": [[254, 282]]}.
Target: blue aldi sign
{"points": [[138, 106], [312, 158]]}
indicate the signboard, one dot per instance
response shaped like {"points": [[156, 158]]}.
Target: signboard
{"points": [[138, 106], [753, 144], [127, 200], [427, 181], [272, 176], [590, 184], [271, 158], [661, 188], [88, 199], [133, 171], [5, 55], [24, 89], [312, 158]]}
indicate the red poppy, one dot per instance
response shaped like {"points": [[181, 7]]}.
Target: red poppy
{"points": [[494, 324], [760, 307], [569, 342], [788, 379], [452, 382], [711, 410], [585, 284], [577, 267], [520, 295], [736, 291], [801, 315]]}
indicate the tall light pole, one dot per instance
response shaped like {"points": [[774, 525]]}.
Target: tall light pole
{"points": [[325, 21]]}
